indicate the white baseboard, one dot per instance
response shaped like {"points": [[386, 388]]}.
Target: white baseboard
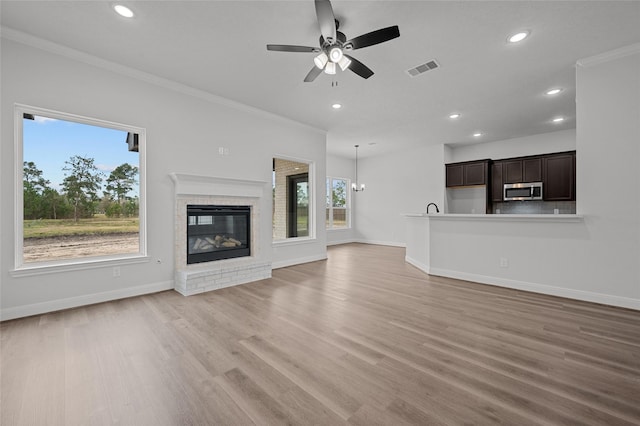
{"points": [[587, 296], [89, 299], [422, 266], [380, 243], [337, 243], [298, 261]]}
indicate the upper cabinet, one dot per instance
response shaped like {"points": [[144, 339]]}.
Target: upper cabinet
{"points": [[455, 175], [497, 181], [557, 172], [520, 170], [467, 173], [559, 177]]}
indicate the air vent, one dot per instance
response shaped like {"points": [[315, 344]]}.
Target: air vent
{"points": [[423, 68]]}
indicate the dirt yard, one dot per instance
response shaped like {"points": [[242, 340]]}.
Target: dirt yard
{"points": [[44, 249]]}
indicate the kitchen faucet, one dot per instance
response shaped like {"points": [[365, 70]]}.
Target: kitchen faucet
{"points": [[433, 204]]}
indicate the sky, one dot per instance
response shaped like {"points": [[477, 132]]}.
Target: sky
{"points": [[49, 143]]}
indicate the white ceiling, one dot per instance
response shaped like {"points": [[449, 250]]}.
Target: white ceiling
{"points": [[219, 47]]}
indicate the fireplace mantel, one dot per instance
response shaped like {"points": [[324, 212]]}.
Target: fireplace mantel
{"points": [[189, 184], [213, 190]]}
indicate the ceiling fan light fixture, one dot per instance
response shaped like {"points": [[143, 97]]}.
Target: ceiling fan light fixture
{"points": [[335, 54], [344, 63], [321, 60], [330, 68]]}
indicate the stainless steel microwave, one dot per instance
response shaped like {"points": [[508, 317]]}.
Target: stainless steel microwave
{"points": [[522, 191]]}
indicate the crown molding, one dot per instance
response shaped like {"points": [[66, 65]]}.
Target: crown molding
{"points": [[79, 56], [609, 56]]}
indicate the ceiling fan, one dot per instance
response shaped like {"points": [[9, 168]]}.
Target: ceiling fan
{"points": [[334, 43]]}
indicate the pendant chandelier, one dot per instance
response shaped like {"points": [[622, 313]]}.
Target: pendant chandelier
{"points": [[354, 185]]}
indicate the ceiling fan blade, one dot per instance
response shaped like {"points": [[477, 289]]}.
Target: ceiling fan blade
{"points": [[374, 37], [326, 20], [290, 48], [359, 68], [315, 71]]}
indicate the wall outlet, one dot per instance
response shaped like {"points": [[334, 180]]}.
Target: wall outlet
{"points": [[504, 262], [116, 271]]}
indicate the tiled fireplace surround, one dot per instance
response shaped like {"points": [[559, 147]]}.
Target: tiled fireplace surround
{"points": [[209, 190]]}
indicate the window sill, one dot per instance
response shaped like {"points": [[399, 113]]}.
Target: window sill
{"points": [[76, 265], [339, 229], [293, 241]]}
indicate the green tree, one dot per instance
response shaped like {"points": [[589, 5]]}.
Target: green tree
{"points": [[54, 205], [339, 193], [81, 184], [34, 187], [121, 181]]}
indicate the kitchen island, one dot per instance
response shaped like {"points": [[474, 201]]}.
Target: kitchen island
{"points": [[539, 253]]}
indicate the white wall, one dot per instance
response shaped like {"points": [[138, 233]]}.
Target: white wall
{"points": [[544, 143], [608, 154], [597, 259], [184, 130], [402, 182], [340, 167]]}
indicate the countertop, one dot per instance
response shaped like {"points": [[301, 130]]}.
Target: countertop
{"points": [[501, 217]]}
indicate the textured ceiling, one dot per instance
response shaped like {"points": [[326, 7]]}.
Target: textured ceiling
{"points": [[219, 47]]}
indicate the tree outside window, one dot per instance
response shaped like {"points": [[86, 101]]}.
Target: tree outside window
{"points": [[338, 212], [81, 189]]}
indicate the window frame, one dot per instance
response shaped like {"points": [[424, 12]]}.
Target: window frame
{"points": [[312, 203], [22, 268], [329, 184]]}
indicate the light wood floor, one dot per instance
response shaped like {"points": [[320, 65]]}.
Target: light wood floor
{"points": [[362, 338]]}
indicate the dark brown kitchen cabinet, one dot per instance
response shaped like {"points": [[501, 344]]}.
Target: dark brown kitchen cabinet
{"points": [[532, 169], [520, 170], [512, 171], [475, 173], [496, 181], [455, 175], [559, 177], [467, 173]]}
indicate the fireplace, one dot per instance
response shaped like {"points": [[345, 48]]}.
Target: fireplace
{"points": [[217, 232]]}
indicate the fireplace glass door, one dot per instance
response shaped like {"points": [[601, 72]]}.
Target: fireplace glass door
{"points": [[217, 232]]}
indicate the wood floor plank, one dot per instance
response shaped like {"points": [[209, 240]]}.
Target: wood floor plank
{"points": [[362, 338]]}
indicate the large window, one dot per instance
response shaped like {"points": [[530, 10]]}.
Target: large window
{"points": [[80, 184], [292, 200], [338, 211]]}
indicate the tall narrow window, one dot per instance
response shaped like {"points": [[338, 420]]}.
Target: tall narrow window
{"points": [[80, 181], [338, 211], [292, 200], [298, 209]]}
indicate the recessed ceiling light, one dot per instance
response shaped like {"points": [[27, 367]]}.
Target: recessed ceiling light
{"points": [[336, 106], [477, 135], [518, 36], [558, 119], [454, 116], [553, 91], [123, 11]]}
